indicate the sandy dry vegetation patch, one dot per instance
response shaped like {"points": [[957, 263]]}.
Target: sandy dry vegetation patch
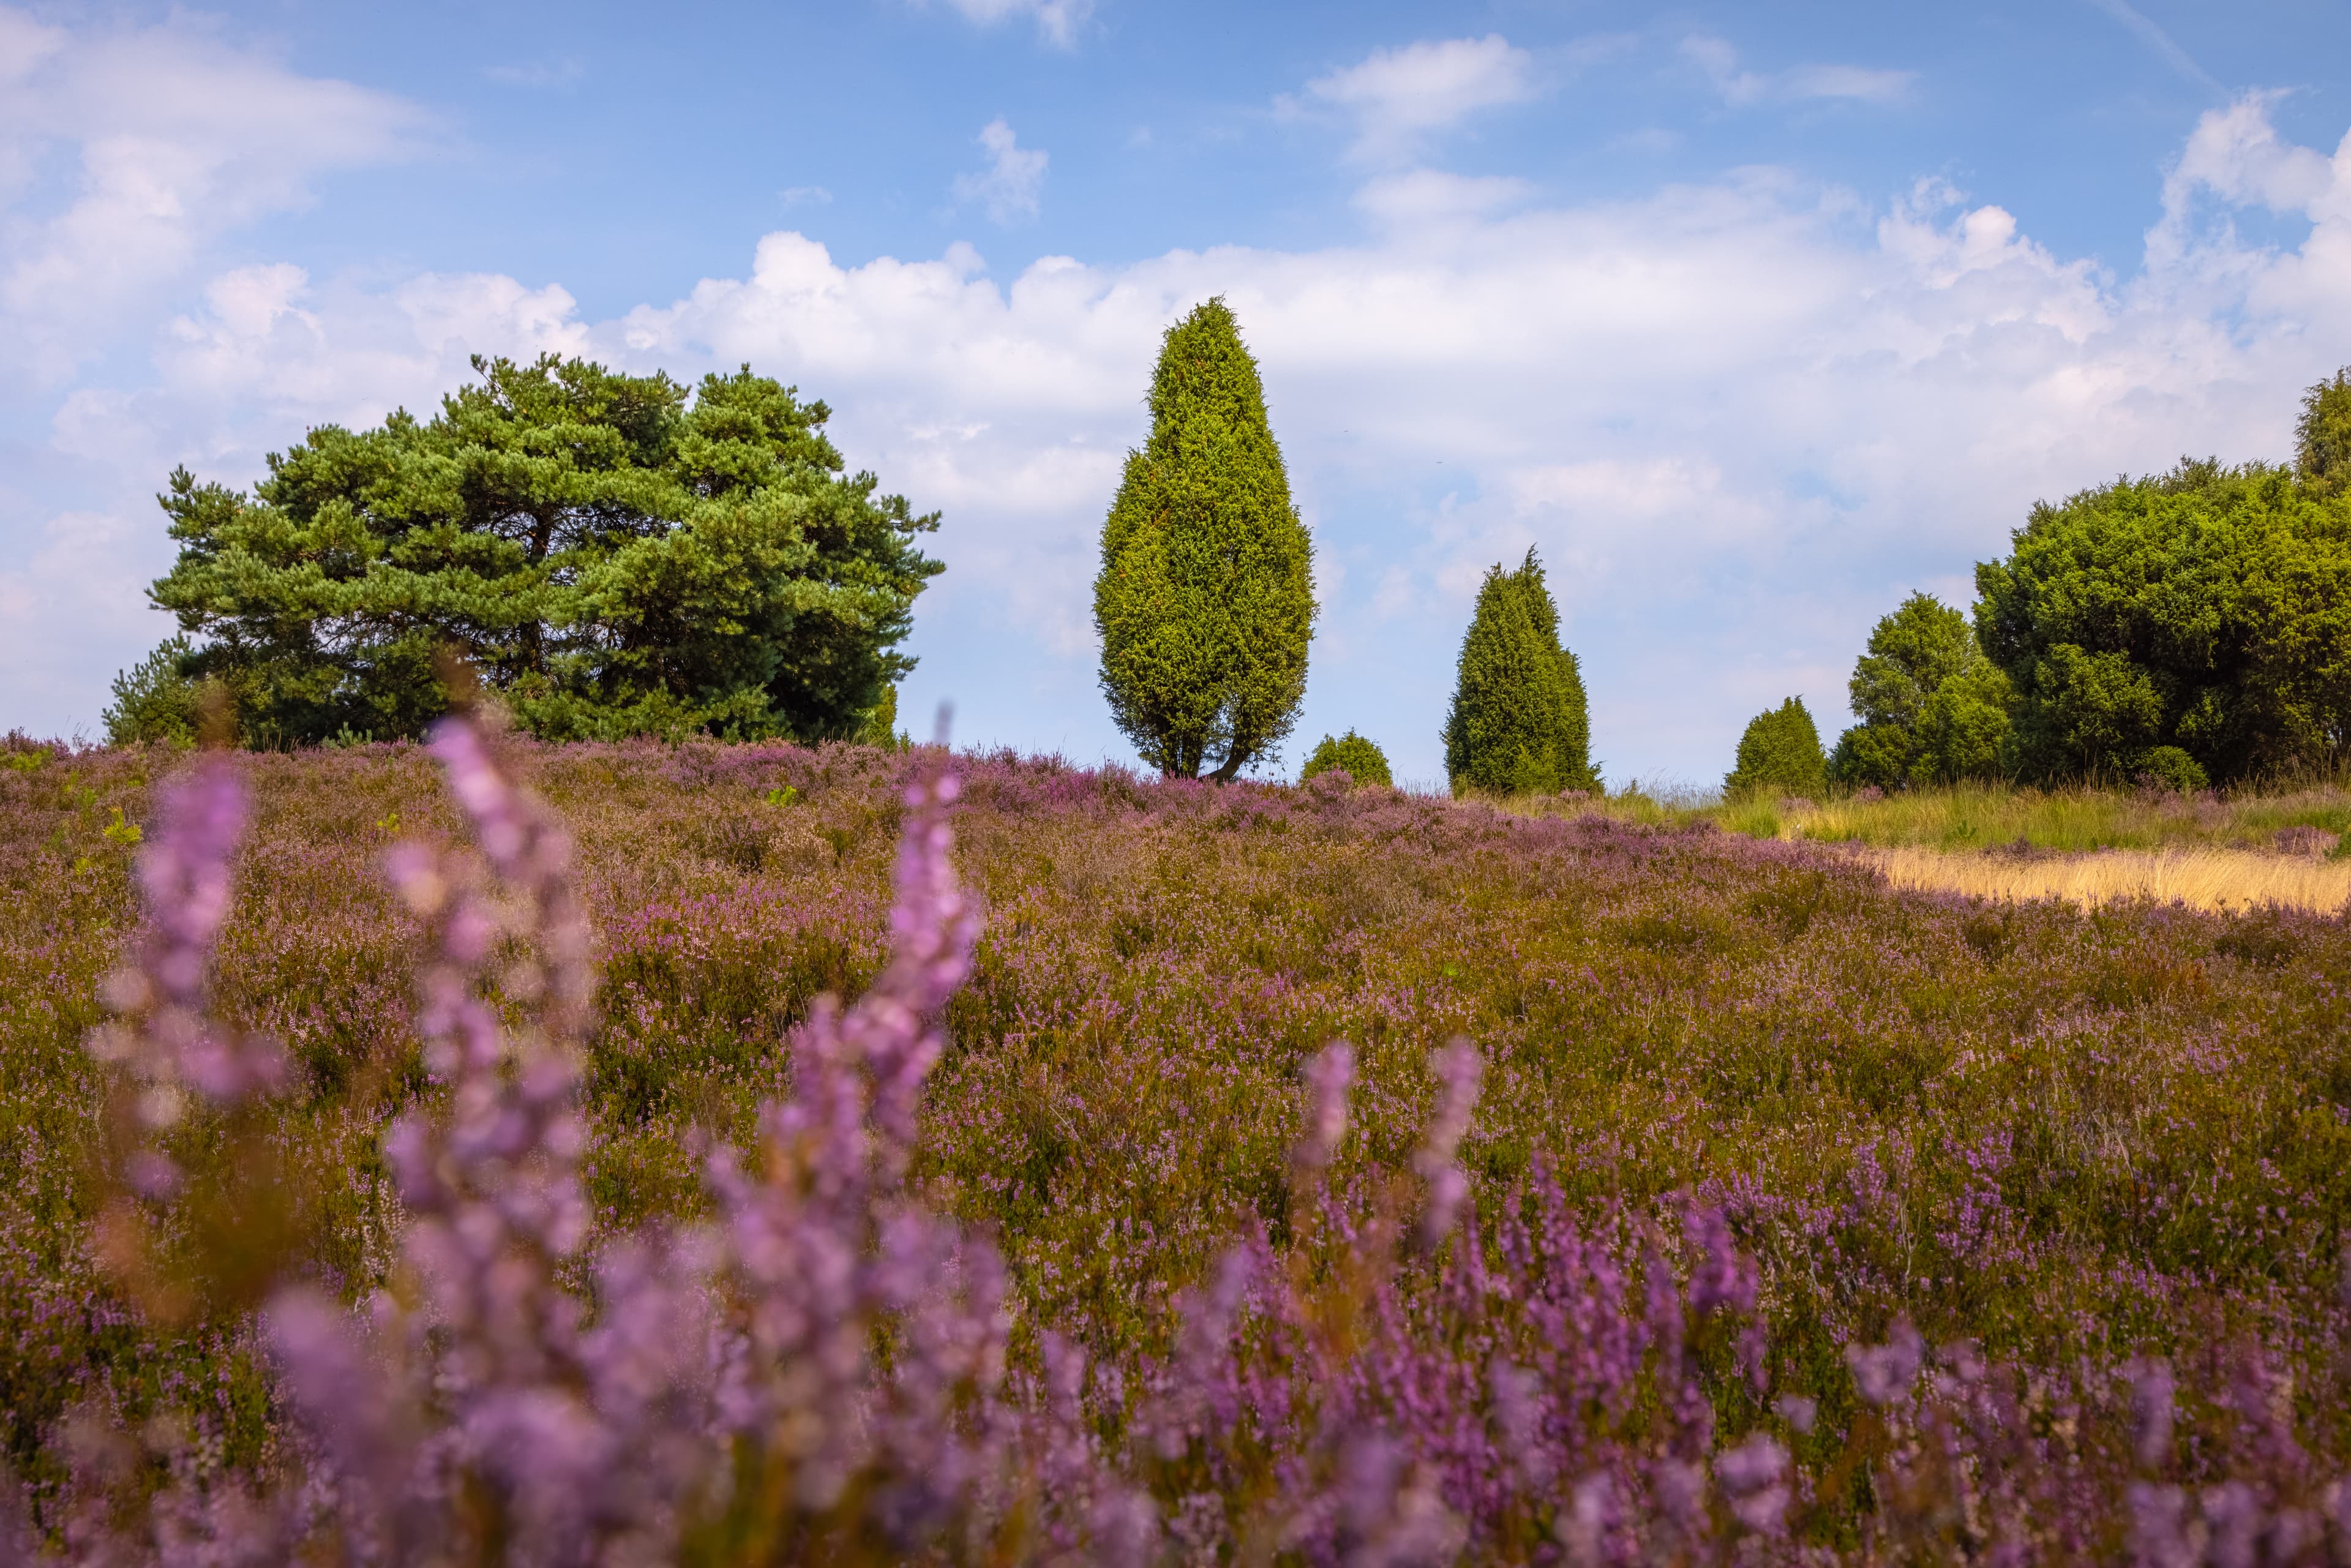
{"points": [[2221, 880]]}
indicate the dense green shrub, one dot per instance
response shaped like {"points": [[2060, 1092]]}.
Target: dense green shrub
{"points": [[1205, 600], [1519, 724], [1781, 751], [1351, 754], [1933, 709], [156, 699], [2173, 769], [2207, 608], [611, 560]]}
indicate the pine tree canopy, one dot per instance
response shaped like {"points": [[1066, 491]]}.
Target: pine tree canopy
{"points": [[1519, 723], [1781, 751], [1205, 601], [610, 559]]}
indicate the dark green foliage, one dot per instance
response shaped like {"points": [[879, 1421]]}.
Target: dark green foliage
{"points": [[1351, 754], [2208, 609], [881, 723], [1205, 600], [1933, 709], [1517, 724], [2171, 768], [156, 699], [1780, 751], [2322, 436], [613, 561]]}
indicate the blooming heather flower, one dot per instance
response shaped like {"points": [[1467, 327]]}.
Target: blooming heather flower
{"points": [[164, 1030], [1883, 1374], [1753, 1477], [2151, 1412], [1458, 1067], [1330, 1072]]}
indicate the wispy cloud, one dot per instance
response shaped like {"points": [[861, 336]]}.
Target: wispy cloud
{"points": [[1425, 196], [1396, 97], [2162, 43], [1057, 21], [805, 196], [1741, 88], [1015, 175]]}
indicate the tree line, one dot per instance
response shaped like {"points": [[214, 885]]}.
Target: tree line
{"points": [[618, 555], [2188, 629]]}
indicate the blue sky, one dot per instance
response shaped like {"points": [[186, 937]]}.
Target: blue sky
{"points": [[1752, 318]]}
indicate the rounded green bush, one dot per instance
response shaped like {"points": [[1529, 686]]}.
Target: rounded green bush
{"points": [[1781, 751], [2173, 769], [1351, 754]]}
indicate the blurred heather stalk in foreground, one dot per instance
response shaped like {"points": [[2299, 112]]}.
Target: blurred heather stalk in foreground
{"points": [[823, 1367]]}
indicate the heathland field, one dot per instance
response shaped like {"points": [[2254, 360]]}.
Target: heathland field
{"points": [[2061, 1146]]}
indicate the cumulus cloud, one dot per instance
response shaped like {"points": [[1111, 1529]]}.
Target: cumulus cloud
{"points": [[1057, 21], [1739, 89], [174, 137], [1397, 97], [1757, 395], [1739, 418], [1015, 176]]}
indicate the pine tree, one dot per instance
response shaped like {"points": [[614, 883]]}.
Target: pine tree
{"points": [[613, 555], [1205, 602], [1517, 724]]}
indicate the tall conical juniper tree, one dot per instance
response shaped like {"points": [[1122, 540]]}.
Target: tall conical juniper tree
{"points": [[1205, 603], [1517, 724]]}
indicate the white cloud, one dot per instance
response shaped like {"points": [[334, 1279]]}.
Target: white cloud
{"points": [[1857, 84], [1738, 418], [1010, 184], [1397, 97], [1057, 21], [813, 196], [177, 137], [1422, 196]]}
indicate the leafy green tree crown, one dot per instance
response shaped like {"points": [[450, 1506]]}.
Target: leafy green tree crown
{"points": [[1517, 724], [1205, 601], [612, 560], [2207, 608], [1932, 708], [1780, 750], [2322, 436], [1351, 754]]}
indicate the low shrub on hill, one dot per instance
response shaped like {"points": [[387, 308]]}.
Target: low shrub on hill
{"points": [[1770, 1214], [1360, 759], [1780, 753]]}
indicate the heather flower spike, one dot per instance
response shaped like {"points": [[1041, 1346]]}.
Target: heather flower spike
{"points": [[165, 1032], [1458, 1067], [1330, 1074]]}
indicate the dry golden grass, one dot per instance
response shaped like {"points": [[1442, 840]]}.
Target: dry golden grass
{"points": [[2218, 879]]}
